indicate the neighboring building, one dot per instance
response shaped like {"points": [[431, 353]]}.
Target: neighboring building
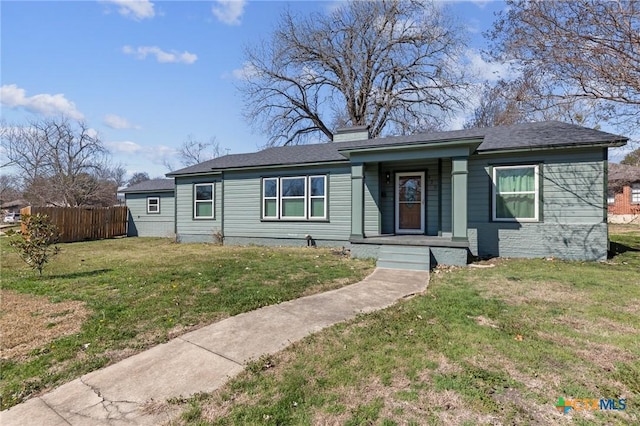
{"points": [[624, 193], [14, 206], [152, 208], [527, 190]]}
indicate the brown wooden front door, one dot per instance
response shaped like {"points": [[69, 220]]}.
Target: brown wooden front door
{"points": [[410, 203]]}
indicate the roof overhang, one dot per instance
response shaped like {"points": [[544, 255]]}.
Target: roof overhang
{"points": [[147, 191], [412, 151], [612, 144]]}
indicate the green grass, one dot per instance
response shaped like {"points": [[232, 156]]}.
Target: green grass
{"points": [[491, 345], [141, 291]]}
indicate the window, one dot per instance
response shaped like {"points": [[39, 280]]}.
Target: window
{"points": [[317, 197], [515, 193], [294, 198], [270, 198], [293, 202], [203, 201], [611, 197], [635, 193], [153, 205]]}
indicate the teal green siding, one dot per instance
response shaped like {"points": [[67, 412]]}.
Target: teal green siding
{"points": [[242, 206], [142, 224], [572, 201], [372, 200], [189, 229]]}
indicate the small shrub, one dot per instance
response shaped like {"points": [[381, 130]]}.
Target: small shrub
{"points": [[36, 245]]}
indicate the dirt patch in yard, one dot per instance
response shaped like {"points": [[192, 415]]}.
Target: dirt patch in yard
{"points": [[28, 322]]}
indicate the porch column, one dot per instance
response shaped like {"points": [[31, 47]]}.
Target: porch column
{"points": [[459, 174], [357, 200]]}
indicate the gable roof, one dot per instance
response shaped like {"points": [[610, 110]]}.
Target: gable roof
{"points": [[540, 135], [152, 185]]}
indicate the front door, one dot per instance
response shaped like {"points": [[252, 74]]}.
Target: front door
{"points": [[410, 203]]}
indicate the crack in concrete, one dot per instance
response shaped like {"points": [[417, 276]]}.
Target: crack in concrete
{"points": [[212, 352], [55, 411], [112, 409]]}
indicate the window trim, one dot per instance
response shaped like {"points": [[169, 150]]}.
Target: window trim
{"points": [[315, 197], [196, 201], [536, 192], [307, 199], [276, 198], [635, 193], [157, 199]]}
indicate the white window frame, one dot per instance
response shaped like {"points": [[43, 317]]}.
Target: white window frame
{"points": [[635, 193], [536, 193], [294, 197], [157, 205], [276, 198], [196, 201], [306, 198], [611, 197], [316, 197]]}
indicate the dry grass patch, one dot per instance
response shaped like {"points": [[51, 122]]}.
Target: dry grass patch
{"points": [[516, 291], [28, 322]]}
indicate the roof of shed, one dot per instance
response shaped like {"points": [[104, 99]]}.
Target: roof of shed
{"points": [[539, 135], [152, 185]]}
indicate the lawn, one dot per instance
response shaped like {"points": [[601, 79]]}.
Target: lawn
{"points": [[99, 302], [494, 344]]}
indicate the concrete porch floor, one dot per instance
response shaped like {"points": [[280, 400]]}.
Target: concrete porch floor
{"points": [[410, 240]]}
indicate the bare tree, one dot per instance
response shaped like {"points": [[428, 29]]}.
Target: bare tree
{"points": [[388, 64], [523, 99], [61, 163], [194, 151], [587, 49], [9, 188], [137, 178]]}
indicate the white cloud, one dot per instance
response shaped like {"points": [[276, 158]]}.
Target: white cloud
{"points": [[134, 9], [247, 71], [125, 147], [229, 11], [13, 96], [157, 154], [141, 52], [117, 122], [489, 71]]}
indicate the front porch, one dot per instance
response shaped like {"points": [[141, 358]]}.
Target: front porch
{"points": [[409, 203]]}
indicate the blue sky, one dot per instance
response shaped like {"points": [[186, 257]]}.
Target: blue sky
{"points": [[147, 74]]}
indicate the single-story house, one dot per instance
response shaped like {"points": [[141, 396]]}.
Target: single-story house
{"points": [[526, 190], [14, 206], [152, 208], [624, 193]]}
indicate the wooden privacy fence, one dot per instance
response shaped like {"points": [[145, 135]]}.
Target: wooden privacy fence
{"points": [[84, 223]]}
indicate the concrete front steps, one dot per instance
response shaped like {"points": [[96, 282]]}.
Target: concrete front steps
{"points": [[415, 258]]}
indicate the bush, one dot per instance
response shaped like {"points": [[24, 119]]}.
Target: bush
{"points": [[35, 246]]}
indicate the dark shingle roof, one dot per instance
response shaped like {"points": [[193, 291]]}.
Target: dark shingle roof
{"points": [[152, 185], [285, 155], [548, 134]]}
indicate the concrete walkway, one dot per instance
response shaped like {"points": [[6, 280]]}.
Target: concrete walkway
{"points": [[134, 391]]}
